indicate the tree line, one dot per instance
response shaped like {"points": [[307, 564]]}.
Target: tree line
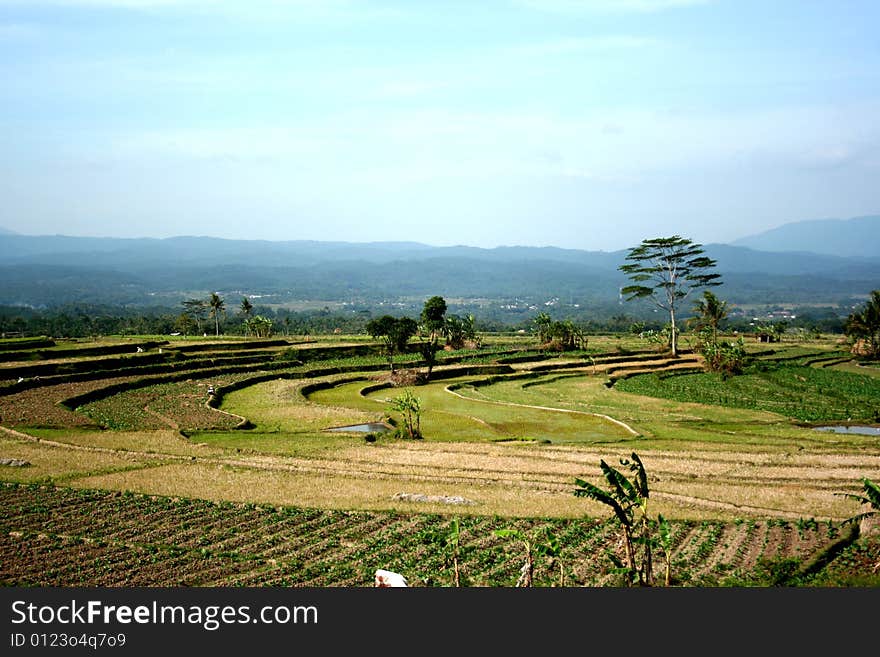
{"points": [[86, 320]]}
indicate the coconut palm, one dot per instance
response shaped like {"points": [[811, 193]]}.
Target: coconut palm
{"points": [[246, 310], [711, 311], [217, 306]]}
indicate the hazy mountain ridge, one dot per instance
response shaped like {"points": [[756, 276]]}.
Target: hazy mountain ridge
{"points": [[162, 272], [141, 253], [858, 236]]}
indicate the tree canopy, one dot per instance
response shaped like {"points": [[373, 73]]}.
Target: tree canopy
{"points": [[433, 316], [433, 320], [394, 333]]}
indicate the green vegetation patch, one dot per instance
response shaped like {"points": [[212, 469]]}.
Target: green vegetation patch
{"points": [[803, 393]]}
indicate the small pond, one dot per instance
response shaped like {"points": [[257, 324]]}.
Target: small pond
{"points": [[863, 430], [368, 427]]}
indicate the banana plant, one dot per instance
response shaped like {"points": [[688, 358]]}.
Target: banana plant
{"points": [[528, 568], [552, 549], [628, 500], [871, 498], [664, 533], [546, 544], [451, 541]]}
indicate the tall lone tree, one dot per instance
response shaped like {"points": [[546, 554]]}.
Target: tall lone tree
{"points": [[433, 320], [667, 270]]}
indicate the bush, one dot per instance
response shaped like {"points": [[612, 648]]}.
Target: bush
{"points": [[728, 358]]}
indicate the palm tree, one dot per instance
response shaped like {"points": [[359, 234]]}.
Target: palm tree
{"points": [[711, 311], [246, 309], [217, 306]]}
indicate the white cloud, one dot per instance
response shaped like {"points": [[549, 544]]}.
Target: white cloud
{"points": [[608, 6]]}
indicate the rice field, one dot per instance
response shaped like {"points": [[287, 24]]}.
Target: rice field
{"points": [[505, 435]]}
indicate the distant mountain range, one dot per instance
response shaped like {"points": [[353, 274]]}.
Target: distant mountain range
{"points": [[46, 271], [859, 236]]}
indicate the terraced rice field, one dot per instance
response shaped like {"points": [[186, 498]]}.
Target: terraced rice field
{"points": [[225, 475]]}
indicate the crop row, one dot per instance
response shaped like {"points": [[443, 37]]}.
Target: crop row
{"points": [[66, 537]]}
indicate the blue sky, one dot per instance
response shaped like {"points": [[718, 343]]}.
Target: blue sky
{"points": [[577, 123]]}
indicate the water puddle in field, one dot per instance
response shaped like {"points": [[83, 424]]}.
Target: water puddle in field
{"points": [[368, 427], [865, 431]]}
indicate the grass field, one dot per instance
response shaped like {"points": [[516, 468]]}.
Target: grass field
{"points": [[728, 461]]}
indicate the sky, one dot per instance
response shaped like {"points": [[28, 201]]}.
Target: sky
{"points": [[589, 124]]}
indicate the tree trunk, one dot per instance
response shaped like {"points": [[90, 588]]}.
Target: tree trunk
{"points": [[672, 338], [630, 553], [525, 576]]}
